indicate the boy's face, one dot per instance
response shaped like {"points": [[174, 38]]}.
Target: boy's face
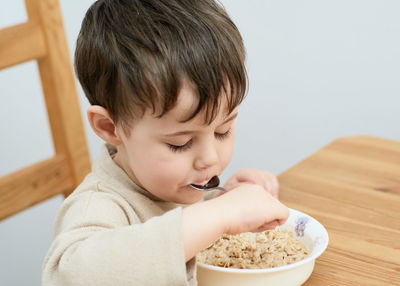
{"points": [[164, 155]]}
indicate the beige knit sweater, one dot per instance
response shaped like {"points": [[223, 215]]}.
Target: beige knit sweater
{"points": [[109, 231]]}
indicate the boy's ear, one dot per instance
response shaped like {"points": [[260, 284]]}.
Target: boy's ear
{"points": [[103, 125]]}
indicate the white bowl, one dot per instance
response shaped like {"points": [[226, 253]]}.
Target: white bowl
{"points": [[311, 234]]}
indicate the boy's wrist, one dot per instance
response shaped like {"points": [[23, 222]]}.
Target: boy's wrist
{"points": [[219, 214], [211, 216], [215, 209], [202, 225]]}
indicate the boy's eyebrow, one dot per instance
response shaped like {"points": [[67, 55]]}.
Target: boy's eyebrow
{"points": [[230, 118]]}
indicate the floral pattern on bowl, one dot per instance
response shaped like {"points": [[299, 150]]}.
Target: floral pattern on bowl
{"points": [[301, 223]]}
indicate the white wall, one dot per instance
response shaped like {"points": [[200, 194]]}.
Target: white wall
{"points": [[318, 70]]}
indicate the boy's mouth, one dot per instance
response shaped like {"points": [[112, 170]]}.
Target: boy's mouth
{"points": [[212, 183]]}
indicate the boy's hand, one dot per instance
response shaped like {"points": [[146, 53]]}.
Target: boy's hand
{"points": [[249, 207], [264, 179]]}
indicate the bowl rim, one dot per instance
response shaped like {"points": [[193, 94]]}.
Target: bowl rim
{"points": [[308, 259]]}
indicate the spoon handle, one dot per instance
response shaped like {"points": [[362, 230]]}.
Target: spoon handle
{"points": [[220, 189], [214, 192]]}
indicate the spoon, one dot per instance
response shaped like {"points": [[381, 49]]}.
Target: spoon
{"points": [[212, 184]]}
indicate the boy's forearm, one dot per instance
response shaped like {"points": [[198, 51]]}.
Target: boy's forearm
{"points": [[201, 226]]}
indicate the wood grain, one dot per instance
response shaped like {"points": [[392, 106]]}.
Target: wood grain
{"points": [[21, 43], [59, 88], [43, 38], [34, 184], [352, 186]]}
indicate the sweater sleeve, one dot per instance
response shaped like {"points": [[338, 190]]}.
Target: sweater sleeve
{"points": [[98, 243]]}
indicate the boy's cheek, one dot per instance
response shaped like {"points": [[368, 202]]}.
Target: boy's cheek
{"points": [[173, 173], [226, 154]]}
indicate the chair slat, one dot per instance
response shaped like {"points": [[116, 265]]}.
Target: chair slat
{"points": [[33, 184], [59, 89], [21, 43]]}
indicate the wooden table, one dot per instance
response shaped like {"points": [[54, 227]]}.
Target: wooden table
{"points": [[351, 186]]}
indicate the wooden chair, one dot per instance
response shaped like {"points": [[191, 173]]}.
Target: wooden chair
{"points": [[42, 38]]}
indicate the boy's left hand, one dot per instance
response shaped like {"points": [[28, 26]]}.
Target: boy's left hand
{"points": [[253, 176]]}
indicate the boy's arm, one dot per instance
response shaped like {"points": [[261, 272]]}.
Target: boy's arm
{"points": [[246, 208], [102, 242]]}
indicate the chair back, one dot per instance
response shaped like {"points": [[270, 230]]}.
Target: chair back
{"points": [[42, 38]]}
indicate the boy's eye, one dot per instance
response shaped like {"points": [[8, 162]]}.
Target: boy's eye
{"points": [[181, 148], [187, 145], [222, 136]]}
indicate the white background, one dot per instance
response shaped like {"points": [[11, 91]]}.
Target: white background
{"points": [[318, 70]]}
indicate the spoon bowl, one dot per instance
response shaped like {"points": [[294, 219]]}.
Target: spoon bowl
{"points": [[212, 184]]}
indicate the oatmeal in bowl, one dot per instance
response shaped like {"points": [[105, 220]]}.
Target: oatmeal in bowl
{"points": [[284, 256]]}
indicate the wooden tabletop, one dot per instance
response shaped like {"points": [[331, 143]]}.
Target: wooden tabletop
{"points": [[351, 186]]}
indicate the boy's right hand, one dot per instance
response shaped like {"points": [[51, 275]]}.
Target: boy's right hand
{"points": [[249, 207]]}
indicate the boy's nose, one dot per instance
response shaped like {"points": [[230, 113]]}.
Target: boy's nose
{"points": [[207, 158]]}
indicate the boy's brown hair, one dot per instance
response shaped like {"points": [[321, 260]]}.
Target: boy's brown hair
{"points": [[132, 55]]}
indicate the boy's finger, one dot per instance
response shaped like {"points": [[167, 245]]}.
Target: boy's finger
{"points": [[268, 226]]}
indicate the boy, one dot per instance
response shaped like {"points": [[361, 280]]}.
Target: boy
{"points": [[165, 78]]}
